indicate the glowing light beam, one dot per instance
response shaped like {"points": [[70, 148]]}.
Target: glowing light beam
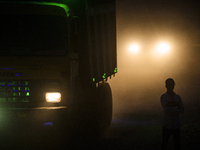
{"points": [[134, 48], [162, 48]]}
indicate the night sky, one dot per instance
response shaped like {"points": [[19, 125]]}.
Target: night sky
{"points": [[140, 80]]}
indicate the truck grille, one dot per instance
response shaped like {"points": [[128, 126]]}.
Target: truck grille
{"points": [[14, 91], [23, 91]]}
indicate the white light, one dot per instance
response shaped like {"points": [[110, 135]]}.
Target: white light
{"points": [[162, 48], [134, 48], [53, 97]]}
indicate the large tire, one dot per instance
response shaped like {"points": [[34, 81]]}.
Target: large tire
{"points": [[103, 107], [92, 112]]}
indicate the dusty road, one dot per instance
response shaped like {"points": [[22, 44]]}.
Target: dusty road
{"points": [[131, 131]]}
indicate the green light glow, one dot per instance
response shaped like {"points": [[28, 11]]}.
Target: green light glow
{"points": [[93, 79], [104, 75], [115, 70], [19, 93], [27, 94], [64, 6], [19, 88]]}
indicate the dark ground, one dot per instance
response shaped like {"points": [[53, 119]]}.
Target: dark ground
{"points": [[128, 131], [144, 133]]}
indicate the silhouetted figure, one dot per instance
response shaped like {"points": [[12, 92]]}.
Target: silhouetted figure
{"points": [[173, 106]]}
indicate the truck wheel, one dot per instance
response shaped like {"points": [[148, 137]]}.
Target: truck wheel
{"points": [[103, 108], [92, 112]]}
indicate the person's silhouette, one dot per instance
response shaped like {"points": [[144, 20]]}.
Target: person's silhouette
{"points": [[172, 105]]}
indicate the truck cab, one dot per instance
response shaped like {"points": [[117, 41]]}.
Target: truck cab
{"points": [[55, 62]]}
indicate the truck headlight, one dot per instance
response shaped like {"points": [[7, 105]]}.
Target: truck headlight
{"points": [[134, 48], [53, 97], [162, 49]]}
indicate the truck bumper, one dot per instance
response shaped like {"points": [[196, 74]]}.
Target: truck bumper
{"points": [[30, 128], [35, 118]]}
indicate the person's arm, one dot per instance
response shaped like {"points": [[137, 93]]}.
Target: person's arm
{"points": [[180, 107], [168, 108], [172, 107]]}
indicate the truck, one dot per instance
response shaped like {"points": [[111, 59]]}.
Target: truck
{"points": [[56, 58]]}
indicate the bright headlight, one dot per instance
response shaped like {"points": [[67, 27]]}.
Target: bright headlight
{"points": [[53, 97], [162, 48], [134, 48]]}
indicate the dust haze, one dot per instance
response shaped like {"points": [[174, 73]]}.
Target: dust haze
{"points": [[140, 80]]}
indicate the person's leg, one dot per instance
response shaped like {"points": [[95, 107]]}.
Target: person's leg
{"points": [[166, 133], [176, 137]]}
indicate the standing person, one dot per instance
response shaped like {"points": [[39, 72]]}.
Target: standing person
{"points": [[173, 106]]}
